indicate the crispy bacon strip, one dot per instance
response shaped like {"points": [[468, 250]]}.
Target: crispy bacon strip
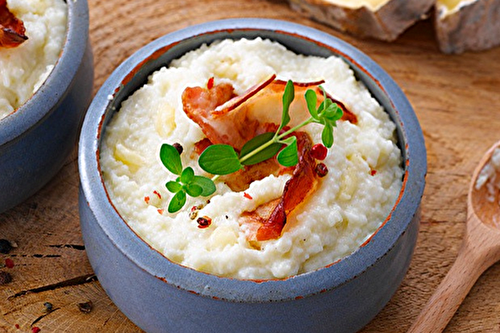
{"points": [[11, 28], [270, 218], [233, 128], [233, 120], [226, 119]]}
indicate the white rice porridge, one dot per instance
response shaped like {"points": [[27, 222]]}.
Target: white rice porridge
{"points": [[348, 206], [26, 67]]}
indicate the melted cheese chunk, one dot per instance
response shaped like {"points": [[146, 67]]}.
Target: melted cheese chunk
{"points": [[451, 6], [373, 5]]}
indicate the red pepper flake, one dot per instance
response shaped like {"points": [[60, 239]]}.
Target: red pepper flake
{"points": [[204, 222], [319, 151], [373, 172], [146, 199], [160, 211], [248, 196], [194, 212], [321, 170], [9, 263], [35, 329], [210, 83], [157, 194], [17, 326]]}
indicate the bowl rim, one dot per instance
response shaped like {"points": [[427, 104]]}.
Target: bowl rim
{"points": [[55, 87], [231, 289]]}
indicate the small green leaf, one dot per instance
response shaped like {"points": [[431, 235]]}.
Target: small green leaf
{"points": [[327, 135], [288, 96], [177, 202], [262, 155], [288, 156], [206, 184], [173, 187], [187, 175], [311, 100], [328, 103], [325, 104], [193, 190], [333, 112], [219, 160], [321, 109], [171, 159]]}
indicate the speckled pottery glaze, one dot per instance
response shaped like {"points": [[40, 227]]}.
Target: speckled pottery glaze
{"points": [[161, 296], [38, 137]]}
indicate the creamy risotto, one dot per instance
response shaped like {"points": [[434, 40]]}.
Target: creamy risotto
{"points": [[349, 204], [25, 68]]}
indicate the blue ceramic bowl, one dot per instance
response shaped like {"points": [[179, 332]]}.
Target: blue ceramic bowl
{"points": [[161, 296], [38, 137]]}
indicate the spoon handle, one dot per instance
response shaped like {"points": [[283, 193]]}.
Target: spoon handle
{"points": [[451, 292]]}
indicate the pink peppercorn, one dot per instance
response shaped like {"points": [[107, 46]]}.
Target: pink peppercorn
{"points": [[204, 222], [9, 263], [319, 151]]}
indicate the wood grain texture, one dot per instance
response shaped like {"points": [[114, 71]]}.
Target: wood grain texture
{"points": [[479, 250], [456, 99]]}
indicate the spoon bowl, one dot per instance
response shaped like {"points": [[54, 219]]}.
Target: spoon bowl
{"points": [[480, 249], [487, 211]]}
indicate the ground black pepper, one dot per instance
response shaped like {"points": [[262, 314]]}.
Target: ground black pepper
{"points": [[5, 246], [85, 307], [179, 148]]}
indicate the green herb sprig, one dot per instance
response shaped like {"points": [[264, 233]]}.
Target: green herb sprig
{"points": [[186, 183], [222, 159]]}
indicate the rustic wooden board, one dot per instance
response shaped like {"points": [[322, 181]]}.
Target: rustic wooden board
{"points": [[456, 98]]}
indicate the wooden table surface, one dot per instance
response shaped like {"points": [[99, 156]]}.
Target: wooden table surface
{"points": [[456, 98]]}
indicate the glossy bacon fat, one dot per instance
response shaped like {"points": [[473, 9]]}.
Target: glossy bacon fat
{"points": [[11, 28]]}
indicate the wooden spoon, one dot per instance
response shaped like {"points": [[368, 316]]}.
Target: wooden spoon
{"points": [[480, 249]]}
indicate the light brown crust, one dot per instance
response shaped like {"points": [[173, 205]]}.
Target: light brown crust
{"points": [[386, 23], [474, 27]]}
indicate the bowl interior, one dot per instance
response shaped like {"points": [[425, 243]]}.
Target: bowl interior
{"points": [[133, 73], [55, 87]]}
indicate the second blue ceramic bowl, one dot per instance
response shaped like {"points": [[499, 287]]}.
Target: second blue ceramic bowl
{"points": [[161, 296], [38, 137]]}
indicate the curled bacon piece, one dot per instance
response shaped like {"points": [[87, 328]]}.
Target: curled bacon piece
{"points": [[233, 128], [11, 28], [270, 218], [228, 119]]}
